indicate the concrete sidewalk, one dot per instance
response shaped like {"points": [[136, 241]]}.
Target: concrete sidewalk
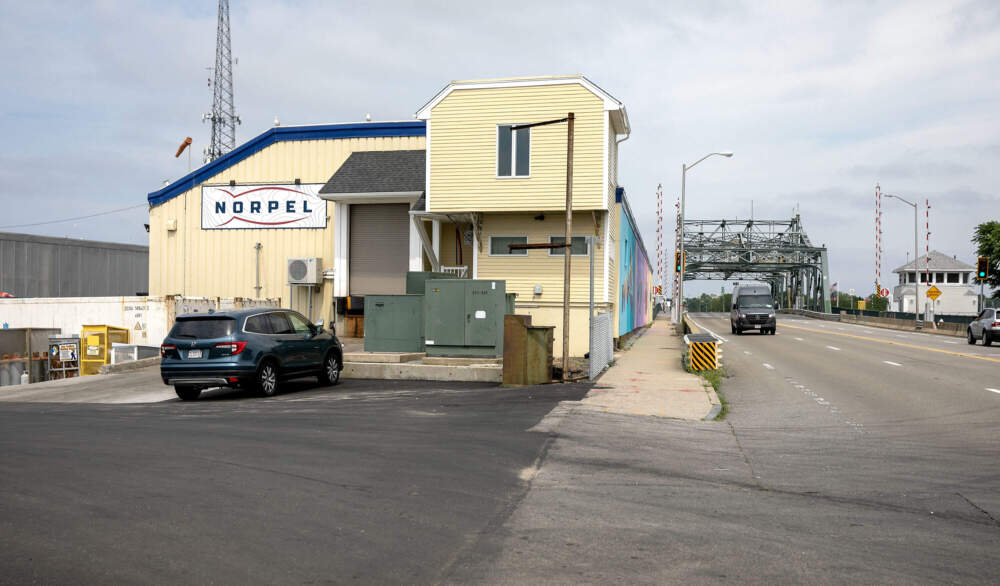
{"points": [[649, 379]]}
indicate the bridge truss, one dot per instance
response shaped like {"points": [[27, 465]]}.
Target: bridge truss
{"points": [[778, 252]]}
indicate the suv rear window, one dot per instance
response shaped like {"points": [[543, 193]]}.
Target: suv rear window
{"points": [[203, 327]]}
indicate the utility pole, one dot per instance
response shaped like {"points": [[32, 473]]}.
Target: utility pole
{"points": [[223, 115], [567, 244]]}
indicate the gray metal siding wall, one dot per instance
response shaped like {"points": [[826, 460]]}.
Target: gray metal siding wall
{"points": [[37, 266]]}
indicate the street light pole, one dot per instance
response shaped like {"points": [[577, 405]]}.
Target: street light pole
{"points": [[680, 284], [916, 271]]}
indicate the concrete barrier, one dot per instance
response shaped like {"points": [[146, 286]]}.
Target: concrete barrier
{"points": [[414, 371], [129, 366]]}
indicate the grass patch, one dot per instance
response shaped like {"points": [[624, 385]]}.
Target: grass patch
{"points": [[714, 378]]}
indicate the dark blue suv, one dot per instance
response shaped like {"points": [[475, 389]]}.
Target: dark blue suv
{"points": [[248, 348]]}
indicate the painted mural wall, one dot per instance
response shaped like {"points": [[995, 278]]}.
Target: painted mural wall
{"points": [[635, 277]]}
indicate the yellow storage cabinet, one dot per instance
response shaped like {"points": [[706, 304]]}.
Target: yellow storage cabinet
{"points": [[96, 343]]}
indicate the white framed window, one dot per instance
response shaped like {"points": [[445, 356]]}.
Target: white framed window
{"points": [[579, 246], [499, 245], [513, 151]]}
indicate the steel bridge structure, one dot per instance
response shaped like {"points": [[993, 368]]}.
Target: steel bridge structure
{"points": [[777, 252]]}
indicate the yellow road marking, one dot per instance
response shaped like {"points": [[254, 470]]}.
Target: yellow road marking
{"points": [[962, 354]]}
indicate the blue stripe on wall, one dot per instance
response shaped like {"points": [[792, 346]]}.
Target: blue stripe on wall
{"points": [[280, 134]]}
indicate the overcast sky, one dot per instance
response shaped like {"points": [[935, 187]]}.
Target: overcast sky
{"points": [[819, 101]]}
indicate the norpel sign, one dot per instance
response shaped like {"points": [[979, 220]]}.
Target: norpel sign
{"points": [[262, 206]]}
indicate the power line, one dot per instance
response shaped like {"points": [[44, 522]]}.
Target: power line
{"points": [[76, 218]]}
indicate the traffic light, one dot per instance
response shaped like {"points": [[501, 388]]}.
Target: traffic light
{"points": [[678, 265], [983, 268]]}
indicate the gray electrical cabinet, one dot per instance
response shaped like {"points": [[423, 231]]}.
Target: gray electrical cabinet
{"points": [[464, 317], [416, 280], [394, 323]]}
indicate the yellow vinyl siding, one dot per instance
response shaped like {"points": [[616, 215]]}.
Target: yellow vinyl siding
{"points": [[449, 246], [463, 149], [222, 263], [614, 223], [523, 272], [612, 167]]}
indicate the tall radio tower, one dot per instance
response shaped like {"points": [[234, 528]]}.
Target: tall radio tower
{"points": [[223, 116]]}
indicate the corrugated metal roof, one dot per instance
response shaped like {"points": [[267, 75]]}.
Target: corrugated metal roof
{"points": [[280, 134], [379, 172]]}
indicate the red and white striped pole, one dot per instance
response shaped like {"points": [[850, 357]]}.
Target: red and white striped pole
{"points": [[878, 239], [927, 261], [659, 235]]}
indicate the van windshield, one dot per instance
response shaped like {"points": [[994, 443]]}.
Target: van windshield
{"points": [[755, 301]]}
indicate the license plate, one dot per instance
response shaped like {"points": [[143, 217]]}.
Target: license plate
{"points": [[754, 326], [194, 353]]}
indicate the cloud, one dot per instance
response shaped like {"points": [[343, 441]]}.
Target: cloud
{"points": [[819, 101]]}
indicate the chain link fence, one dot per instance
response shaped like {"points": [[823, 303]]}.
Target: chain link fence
{"points": [[601, 344]]}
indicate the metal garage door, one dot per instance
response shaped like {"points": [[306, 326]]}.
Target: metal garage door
{"points": [[380, 248]]}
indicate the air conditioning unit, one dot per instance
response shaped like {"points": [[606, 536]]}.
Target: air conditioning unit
{"points": [[305, 271]]}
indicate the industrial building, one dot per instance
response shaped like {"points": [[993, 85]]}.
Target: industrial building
{"points": [[320, 216], [43, 266]]}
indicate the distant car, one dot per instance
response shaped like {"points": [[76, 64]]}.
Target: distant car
{"points": [[753, 309], [985, 327], [249, 348]]}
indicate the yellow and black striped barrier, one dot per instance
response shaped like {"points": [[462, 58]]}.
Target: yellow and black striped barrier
{"points": [[702, 351]]}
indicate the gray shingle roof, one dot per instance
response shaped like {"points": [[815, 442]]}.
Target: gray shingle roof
{"points": [[939, 262], [379, 172]]}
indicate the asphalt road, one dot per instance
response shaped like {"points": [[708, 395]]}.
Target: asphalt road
{"points": [[366, 482], [850, 455], [833, 467]]}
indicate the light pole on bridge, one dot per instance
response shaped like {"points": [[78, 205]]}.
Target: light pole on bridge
{"points": [[680, 285], [916, 275]]}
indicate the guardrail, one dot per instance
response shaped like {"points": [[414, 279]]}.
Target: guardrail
{"points": [[944, 329]]}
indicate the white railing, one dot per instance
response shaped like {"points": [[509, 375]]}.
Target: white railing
{"points": [[459, 272]]}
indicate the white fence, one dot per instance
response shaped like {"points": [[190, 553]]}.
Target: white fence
{"points": [[602, 344], [148, 319]]}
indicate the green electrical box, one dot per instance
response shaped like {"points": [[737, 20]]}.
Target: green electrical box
{"points": [[415, 280], [464, 317], [394, 323]]}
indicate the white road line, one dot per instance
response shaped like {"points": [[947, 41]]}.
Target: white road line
{"points": [[833, 348], [709, 331], [997, 391], [892, 363], [799, 339], [768, 366], [950, 342], [748, 353]]}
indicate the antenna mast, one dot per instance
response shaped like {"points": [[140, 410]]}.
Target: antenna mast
{"points": [[223, 115]]}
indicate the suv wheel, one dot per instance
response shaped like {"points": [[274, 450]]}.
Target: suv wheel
{"points": [[330, 375], [267, 379], [187, 393], [971, 340], [987, 338]]}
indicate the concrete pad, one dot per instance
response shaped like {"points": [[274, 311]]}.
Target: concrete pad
{"points": [[650, 380], [382, 357], [459, 361], [139, 386], [417, 371]]}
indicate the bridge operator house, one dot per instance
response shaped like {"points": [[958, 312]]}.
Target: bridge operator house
{"points": [[322, 215]]}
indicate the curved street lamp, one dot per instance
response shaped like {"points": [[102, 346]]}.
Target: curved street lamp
{"points": [[680, 285], [916, 272]]}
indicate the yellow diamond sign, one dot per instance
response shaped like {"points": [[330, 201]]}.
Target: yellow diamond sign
{"points": [[933, 292]]}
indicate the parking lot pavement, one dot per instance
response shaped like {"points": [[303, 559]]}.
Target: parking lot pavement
{"points": [[141, 386], [366, 482]]}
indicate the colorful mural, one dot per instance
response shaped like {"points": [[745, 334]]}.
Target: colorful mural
{"points": [[635, 274]]}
